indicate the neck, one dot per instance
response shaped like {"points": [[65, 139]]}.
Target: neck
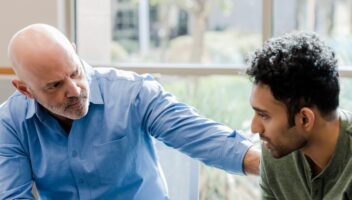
{"points": [[322, 143], [65, 123]]}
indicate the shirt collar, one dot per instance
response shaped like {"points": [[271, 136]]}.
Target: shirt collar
{"points": [[35, 108], [95, 95], [31, 108]]}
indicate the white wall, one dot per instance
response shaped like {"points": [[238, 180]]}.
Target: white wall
{"points": [[94, 31]]}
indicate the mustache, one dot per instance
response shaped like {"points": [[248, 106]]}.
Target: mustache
{"points": [[264, 138], [72, 100]]}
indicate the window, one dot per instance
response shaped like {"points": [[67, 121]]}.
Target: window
{"points": [[331, 19], [215, 32]]}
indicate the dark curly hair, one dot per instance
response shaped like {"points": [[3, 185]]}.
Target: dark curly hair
{"points": [[301, 71]]}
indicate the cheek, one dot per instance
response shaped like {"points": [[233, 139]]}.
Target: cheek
{"points": [[53, 99], [275, 131]]}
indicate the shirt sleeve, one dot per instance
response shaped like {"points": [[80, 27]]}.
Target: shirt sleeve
{"points": [[15, 171], [180, 127], [266, 191]]}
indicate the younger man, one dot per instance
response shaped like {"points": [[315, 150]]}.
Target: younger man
{"points": [[307, 140]]}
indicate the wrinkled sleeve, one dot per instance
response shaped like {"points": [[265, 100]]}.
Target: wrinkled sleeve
{"points": [[15, 171], [180, 127], [266, 191]]}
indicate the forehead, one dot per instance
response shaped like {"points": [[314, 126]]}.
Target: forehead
{"points": [[49, 70], [262, 98]]}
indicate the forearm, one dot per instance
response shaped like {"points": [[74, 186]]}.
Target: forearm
{"points": [[251, 161]]}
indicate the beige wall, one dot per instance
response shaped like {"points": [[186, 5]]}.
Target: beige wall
{"points": [[16, 14]]}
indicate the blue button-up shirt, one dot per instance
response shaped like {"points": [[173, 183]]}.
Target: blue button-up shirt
{"points": [[109, 153]]}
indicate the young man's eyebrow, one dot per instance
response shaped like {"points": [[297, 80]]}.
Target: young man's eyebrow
{"points": [[259, 110]]}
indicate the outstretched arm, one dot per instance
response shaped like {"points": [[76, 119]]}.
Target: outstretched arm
{"points": [[179, 126]]}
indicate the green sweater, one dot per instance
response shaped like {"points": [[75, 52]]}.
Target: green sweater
{"points": [[290, 177]]}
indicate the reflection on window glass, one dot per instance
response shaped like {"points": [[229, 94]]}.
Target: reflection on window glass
{"points": [[185, 31], [331, 19], [224, 99]]}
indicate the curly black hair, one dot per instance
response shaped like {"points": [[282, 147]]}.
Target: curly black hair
{"points": [[301, 71]]}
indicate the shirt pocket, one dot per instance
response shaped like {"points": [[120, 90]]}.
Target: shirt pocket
{"points": [[112, 160]]}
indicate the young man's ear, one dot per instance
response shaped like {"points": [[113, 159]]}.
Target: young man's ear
{"points": [[305, 118], [22, 87]]}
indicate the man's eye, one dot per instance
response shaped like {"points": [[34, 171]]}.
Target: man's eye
{"points": [[263, 116], [75, 74], [54, 86]]}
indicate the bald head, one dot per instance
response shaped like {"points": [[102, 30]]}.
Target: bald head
{"points": [[36, 46]]}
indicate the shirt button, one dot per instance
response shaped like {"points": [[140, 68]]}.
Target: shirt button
{"points": [[74, 154]]}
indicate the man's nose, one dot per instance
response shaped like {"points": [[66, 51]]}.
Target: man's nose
{"points": [[256, 126], [73, 90]]}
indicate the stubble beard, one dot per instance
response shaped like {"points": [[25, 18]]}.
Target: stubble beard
{"points": [[73, 108]]}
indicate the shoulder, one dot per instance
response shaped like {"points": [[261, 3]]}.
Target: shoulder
{"points": [[124, 84], [14, 110], [17, 104], [113, 75], [346, 121]]}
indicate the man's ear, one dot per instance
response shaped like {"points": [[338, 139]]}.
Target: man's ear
{"points": [[305, 119], [22, 87]]}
